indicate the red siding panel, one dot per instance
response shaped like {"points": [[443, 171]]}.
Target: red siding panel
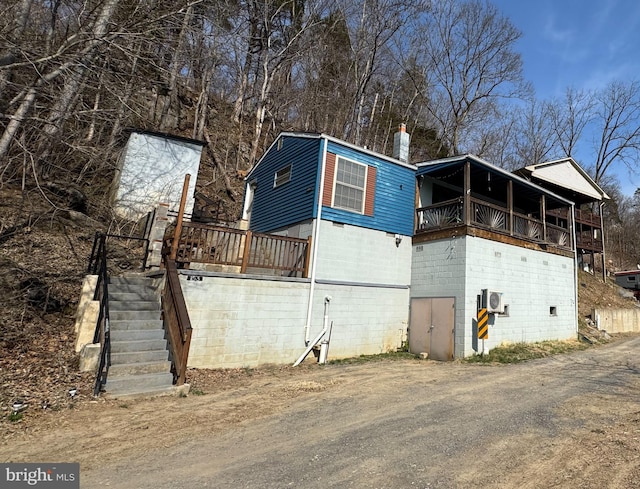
{"points": [[370, 192], [330, 171]]}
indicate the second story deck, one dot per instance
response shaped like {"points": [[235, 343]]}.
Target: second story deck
{"points": [[476, 198]]}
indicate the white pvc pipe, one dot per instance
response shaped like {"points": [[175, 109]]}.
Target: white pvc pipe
{"points": [[311, 346], [315, 239]]}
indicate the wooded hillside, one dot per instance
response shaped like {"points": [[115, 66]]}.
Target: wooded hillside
{"points": [[75, 75]]}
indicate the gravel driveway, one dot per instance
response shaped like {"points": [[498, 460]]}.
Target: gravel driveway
{"points": [[569, 421]]}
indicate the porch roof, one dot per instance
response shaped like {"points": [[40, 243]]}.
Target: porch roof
{"points": [[483, 174]]}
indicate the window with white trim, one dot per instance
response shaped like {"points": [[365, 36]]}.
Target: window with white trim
{"points": [[350, 185], [282, 176]]}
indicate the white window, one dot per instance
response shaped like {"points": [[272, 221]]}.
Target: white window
{"points": [[282, 176], [350, 183]]}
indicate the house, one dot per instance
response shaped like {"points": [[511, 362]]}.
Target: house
{"points": [[629, 279], [346, 250], [486, 238], [355, 207], [567, 179]]}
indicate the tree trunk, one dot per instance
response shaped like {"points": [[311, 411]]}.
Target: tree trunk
{"points": [[172, 99], [8, 57]]}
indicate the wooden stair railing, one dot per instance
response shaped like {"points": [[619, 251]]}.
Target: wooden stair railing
{"points": [[177, 322]]}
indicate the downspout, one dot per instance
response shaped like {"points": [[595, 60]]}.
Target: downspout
{"points": [[604, 261], [575, 262], [316, 236]]}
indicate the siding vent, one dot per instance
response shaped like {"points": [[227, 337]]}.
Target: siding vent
{"points": [[523, 258]]}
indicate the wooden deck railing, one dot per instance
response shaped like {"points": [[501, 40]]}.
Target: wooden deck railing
{"points": [[441, 215], [494, 217], [176, 322], [215, 245]]}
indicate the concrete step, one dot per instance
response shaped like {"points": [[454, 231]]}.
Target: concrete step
{"points": [[119, 358], [133, 315], [133, 306], [137, 334], [137, 382], [133, 280], [143, 295], [132, 289], [137, 345], [135, 324], [127, 369], [140, 393]]}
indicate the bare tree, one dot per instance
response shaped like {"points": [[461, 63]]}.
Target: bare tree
{"points": [[616, 123], [535, 139], [467, 51], [569, 117]]}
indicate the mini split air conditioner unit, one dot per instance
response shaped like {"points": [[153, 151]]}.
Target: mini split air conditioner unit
{"points": [[494, 301]]}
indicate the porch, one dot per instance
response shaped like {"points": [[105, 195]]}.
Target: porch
{"points": [[471, 196]]}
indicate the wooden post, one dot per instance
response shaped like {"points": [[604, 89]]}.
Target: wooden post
{"points": [[185, 356], [543, 216], [307, 259], [247, 251], [467, 193], [178, 232], [510, 205]]}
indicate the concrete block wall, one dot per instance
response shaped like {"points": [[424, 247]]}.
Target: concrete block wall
{"points": [[438, 269], [366, 320], [246, 321], [240, 322], [354, 254], [532, 282]]}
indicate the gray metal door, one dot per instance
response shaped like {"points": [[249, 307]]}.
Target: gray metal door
{"points": [[431, 326]]}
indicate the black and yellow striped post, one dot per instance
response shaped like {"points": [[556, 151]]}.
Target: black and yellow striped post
{"points": [[483, 324]]}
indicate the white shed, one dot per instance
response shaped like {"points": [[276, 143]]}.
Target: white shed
{"points": [[152, 169]]}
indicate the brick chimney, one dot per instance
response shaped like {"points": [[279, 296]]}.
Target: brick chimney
{"points": [[401, 144]]}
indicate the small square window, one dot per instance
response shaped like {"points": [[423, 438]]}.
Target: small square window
{"points": [[282, 176], [553, 311]]}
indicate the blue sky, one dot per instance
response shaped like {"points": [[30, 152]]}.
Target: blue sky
{"points": [[579, 43]]}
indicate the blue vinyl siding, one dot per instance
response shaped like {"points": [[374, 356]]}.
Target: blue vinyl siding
{"points": [[394, 195], [292, 202]]}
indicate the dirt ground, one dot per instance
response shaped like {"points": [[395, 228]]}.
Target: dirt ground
{"points": [[570, 421]]}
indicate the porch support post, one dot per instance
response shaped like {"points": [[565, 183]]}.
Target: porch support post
{"points": [[178, 231], [543, 215], [510, 205], [604, 261], [467, 193]]}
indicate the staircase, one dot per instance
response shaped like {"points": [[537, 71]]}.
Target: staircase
{"points": [[139, 355]]}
